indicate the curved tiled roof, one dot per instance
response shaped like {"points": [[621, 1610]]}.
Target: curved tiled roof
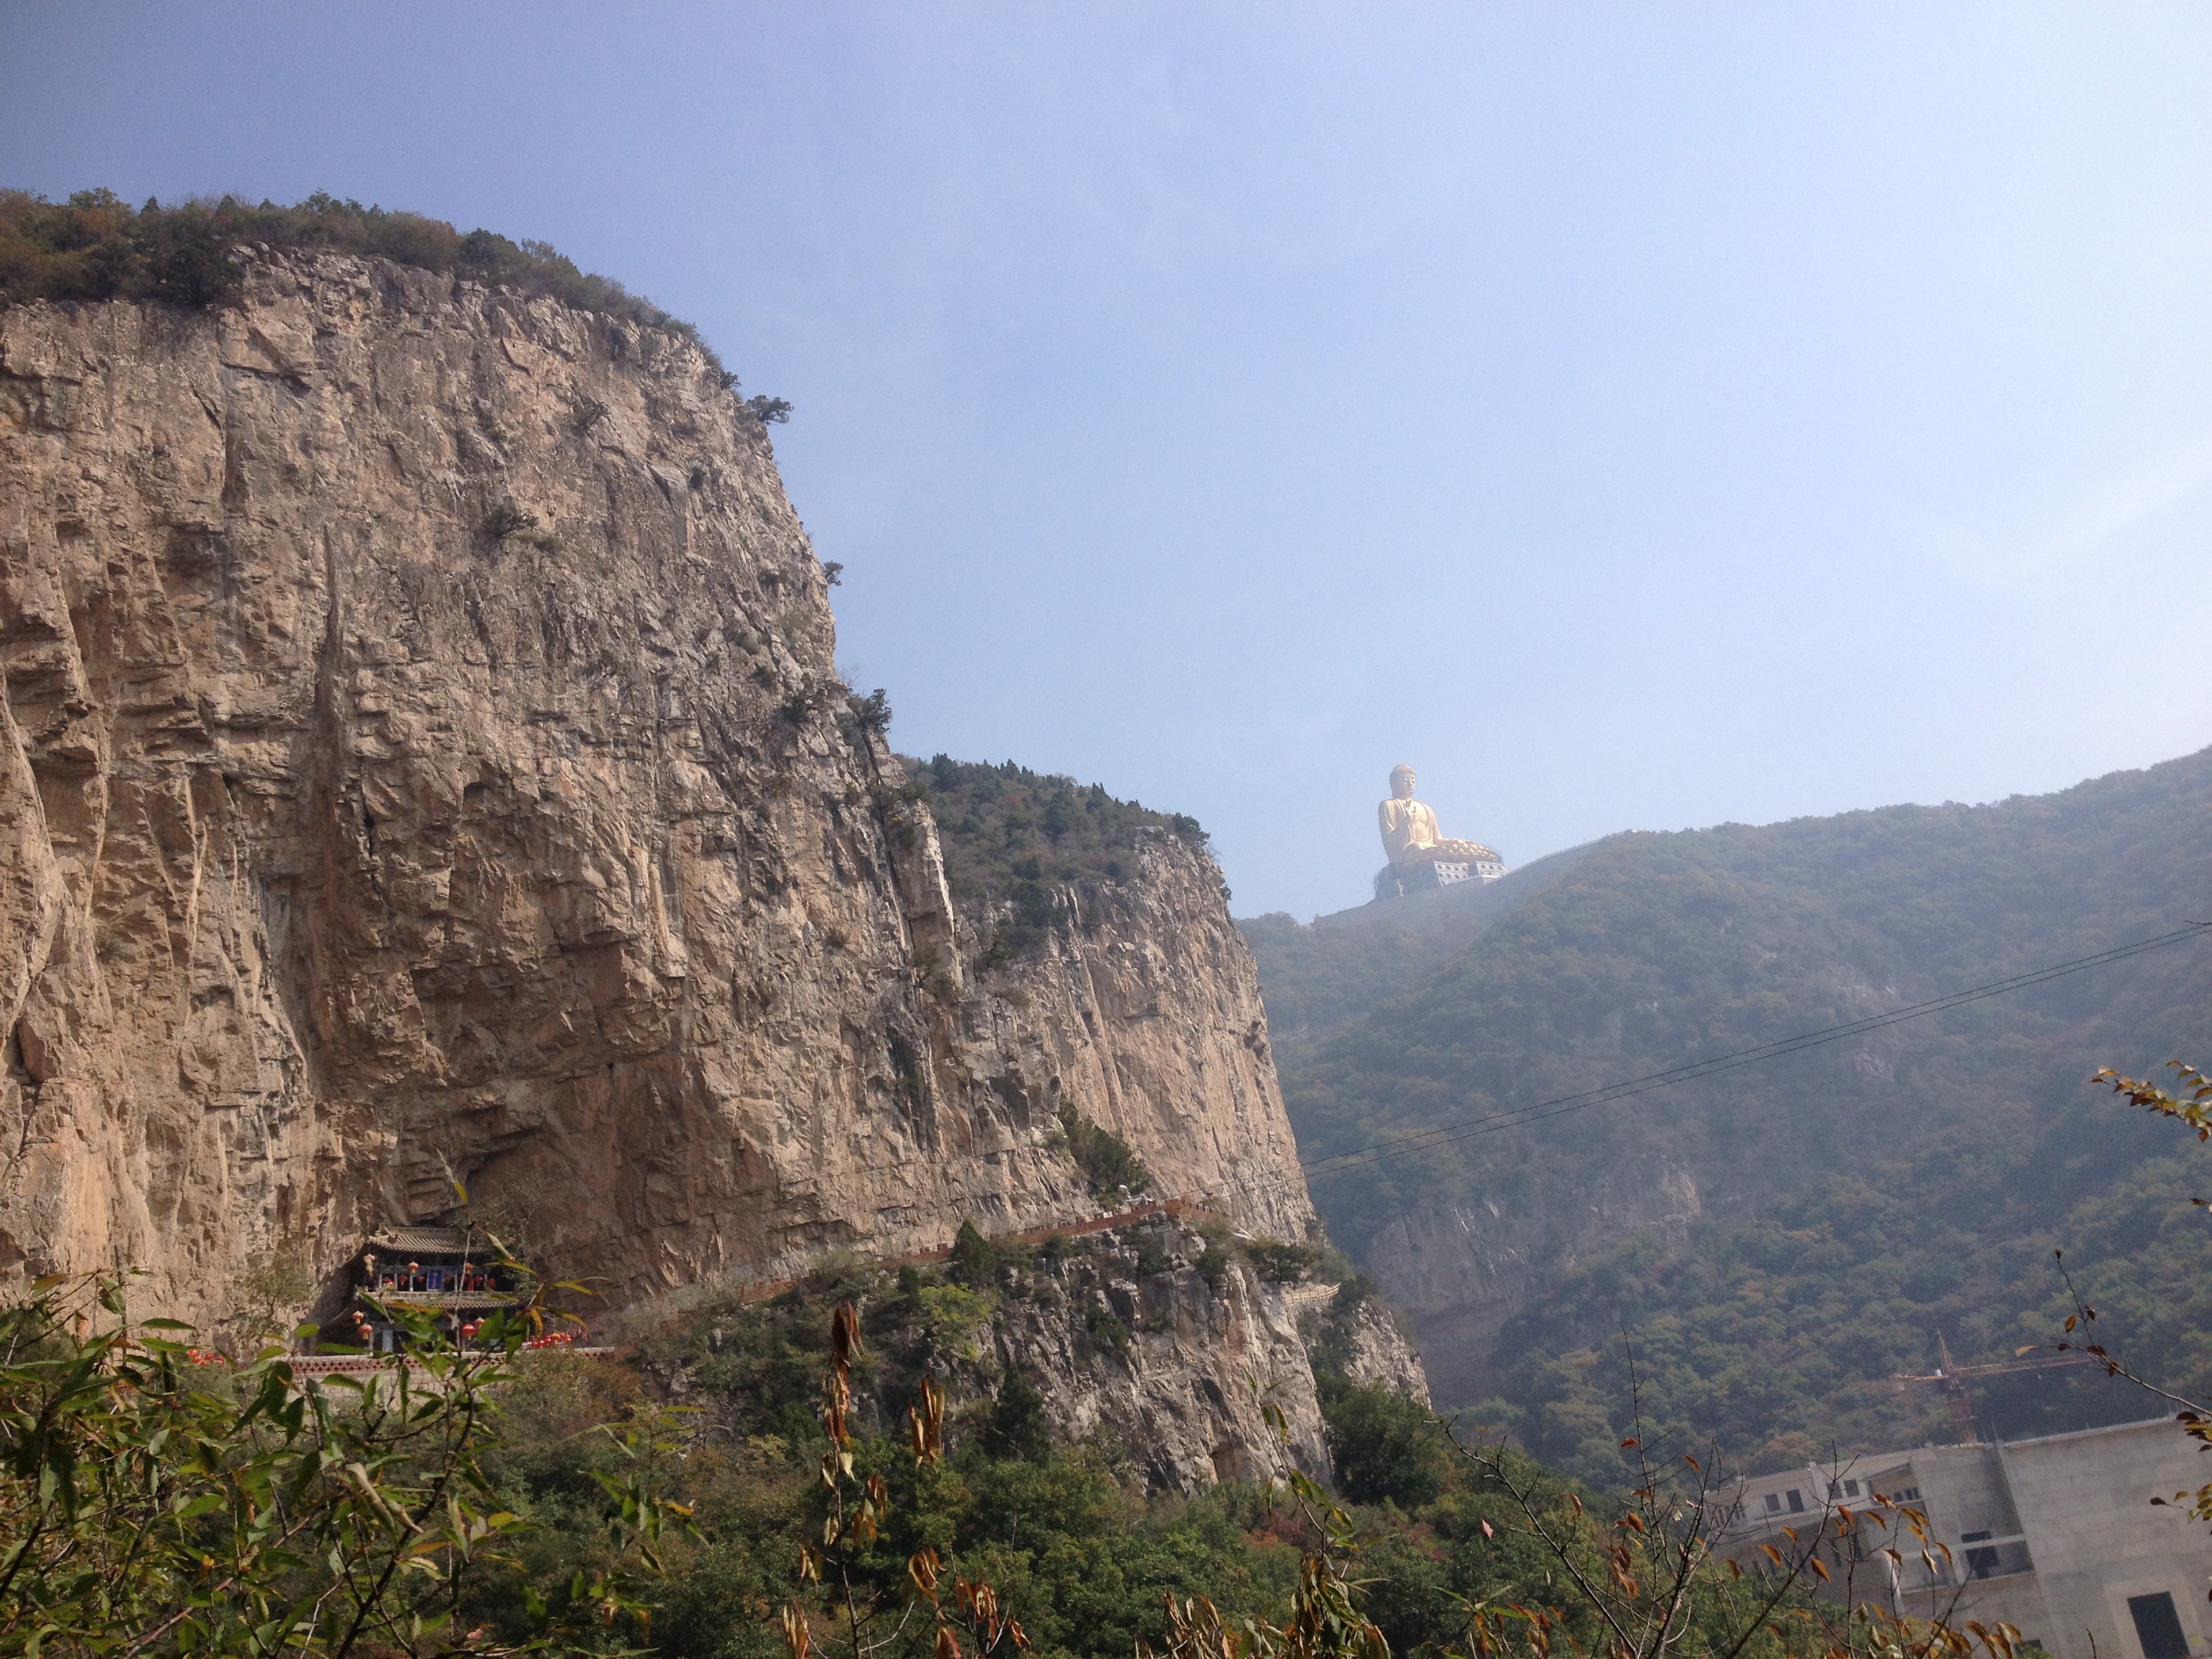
{"points": [[423, 1241], [446, 1299]]}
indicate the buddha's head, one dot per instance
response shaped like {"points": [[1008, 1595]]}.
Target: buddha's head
{"points": [[1402, 782]]}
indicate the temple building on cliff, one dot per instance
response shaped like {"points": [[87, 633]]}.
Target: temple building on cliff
{"points": [[449, 1272]]}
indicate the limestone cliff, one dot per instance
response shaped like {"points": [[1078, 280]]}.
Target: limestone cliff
{"points": [[1139, 1337], [423, 752]]}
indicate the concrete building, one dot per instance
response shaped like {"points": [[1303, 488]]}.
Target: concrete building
{"points": [[2057, 1536]]}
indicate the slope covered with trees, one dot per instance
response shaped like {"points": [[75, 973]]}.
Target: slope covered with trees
{"points": [[1780, 1241], [1007, 830]]}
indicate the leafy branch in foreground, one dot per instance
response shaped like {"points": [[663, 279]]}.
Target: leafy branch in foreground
{"points": [[2189, 1103], [859, 1510], [1650, 1581], [1325, 1621], [158, 1500], [1667, 1569]]}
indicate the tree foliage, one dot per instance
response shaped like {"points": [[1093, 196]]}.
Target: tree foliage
{"points": [[1109, 1165], [2189, 1103], [157, 1499], [1384, 1446], [817, 1492]]}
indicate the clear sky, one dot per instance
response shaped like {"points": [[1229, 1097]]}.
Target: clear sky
{"points": [[1633, 416]]}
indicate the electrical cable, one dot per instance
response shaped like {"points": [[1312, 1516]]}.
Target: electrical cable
{"points": [[1445, 1134]]}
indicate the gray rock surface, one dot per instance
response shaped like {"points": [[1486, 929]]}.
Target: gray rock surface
{"points": [[350, 845]]}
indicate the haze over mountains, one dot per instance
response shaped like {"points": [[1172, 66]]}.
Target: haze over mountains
{"points": [[1778, 1241]]}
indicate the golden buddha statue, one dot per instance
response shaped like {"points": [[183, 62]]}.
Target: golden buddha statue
{"points": [[1411, 838]]}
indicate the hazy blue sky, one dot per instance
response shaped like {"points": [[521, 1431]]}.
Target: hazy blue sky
{"points": [[1634, 417]]}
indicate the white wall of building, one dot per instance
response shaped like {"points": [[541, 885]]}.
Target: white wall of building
{"points": [[2064, 1527]]}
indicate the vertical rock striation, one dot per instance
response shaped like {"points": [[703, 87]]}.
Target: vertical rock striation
{"points": [[422, 757]]}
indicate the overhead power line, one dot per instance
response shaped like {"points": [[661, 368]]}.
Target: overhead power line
{"points": [[1445, 1134]]}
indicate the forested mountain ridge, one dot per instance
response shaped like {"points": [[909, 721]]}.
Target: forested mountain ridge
{"points": [[1784, 1238]]}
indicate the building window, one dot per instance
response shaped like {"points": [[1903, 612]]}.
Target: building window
{"points": [[1981, 1563], [1773, 1504], [2158, 1626], [1797, 1501]]}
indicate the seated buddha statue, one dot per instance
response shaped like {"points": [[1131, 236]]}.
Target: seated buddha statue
{"points": [[1409, 830]]}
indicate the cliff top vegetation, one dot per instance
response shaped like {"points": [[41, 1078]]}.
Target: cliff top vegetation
{"points": [[97, 246], [1011, 836]]}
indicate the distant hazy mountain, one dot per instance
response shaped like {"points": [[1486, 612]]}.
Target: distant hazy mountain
{"points": [[1778, 1241]]}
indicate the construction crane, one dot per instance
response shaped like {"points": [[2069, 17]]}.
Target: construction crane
{"points": [[1950, 1380]]}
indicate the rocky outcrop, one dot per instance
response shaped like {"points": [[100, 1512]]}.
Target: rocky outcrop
{"points": [[1143, 1012], [423, 760], [1158, 1343], [1368, 1347], [1171, 1357]]}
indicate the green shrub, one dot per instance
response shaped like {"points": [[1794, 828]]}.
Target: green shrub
{"points": [[1352, 1292], [508, 519], [1016, 1427], [1279, 1263], [584, 413], [872, 713], [1385, 1447], [1213, 1260], [768, 411], [972, 1262], [508, 522], [1106, 1328], [1152, 1255], [952, 1316], [1110, 1163], [809, 700]]}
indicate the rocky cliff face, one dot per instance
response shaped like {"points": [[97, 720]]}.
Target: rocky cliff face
{"points": [[1185, 1364], [422, 756]]}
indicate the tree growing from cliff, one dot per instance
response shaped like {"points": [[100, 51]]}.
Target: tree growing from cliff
{"points": [[1110, 1166]]}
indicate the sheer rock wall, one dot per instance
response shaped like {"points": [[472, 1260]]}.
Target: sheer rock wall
{"points": [[349, 845]]}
